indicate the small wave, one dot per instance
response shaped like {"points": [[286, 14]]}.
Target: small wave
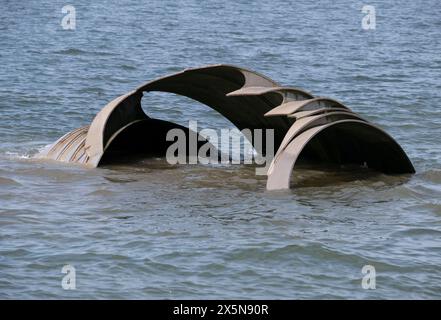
{"points": [[18, 155], [128, 67], [91, 90], [16, 252], [361, 77], [120, 180], [433, 176], [71, 51], [8, 182], [418, 232], [433, 207], [42, 151], [106, 193]]}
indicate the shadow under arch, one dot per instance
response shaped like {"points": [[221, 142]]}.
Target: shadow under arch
{"points": [[341, 142], [209, 85], [130, 142]]}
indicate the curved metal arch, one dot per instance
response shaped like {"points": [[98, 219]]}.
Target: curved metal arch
{"points": [[250, 101], [286, 93], [292, 107], [279, 175], [306, 123], [116, 115], [209, 85], [302, 114], [241, 76]]}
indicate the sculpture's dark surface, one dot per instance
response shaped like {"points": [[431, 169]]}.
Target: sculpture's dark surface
{"points": [[314, 128]]}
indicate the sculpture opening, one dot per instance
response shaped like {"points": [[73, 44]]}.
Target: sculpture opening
{"points": [[306, 128], [147, 139], [357, 144], [340, 143]]}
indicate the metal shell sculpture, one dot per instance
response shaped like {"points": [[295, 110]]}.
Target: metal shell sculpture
{"points": [[316, 127]]}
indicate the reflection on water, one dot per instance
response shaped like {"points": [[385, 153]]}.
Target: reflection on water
{"points": [[322, 175]]}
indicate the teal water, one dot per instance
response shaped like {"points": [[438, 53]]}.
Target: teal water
{"points": [[155, 231]]}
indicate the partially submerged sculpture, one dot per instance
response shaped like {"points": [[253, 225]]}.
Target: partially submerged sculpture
{"points": [[315, 128]]}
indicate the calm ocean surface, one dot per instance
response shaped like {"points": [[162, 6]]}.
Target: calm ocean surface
{"points": [[155, 231]]}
